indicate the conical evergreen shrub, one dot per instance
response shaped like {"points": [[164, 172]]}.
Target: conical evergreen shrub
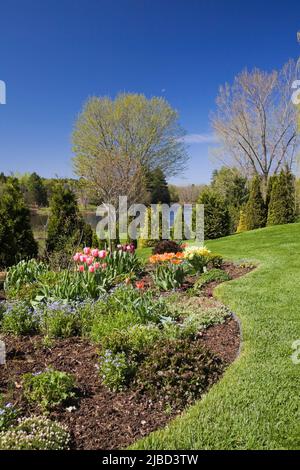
{"points": [[255, 214], [16, 236], [216, 215], [242, 225], [66, 226], [282, 201]]}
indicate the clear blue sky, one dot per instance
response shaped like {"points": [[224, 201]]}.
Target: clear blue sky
{"points": [[56, 53]]}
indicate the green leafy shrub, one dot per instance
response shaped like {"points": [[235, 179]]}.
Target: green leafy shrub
{"points": [[124, 308], [103, 325], [198, 321], [8, 415], [48, 389], [35, 433], [177, 372], [21, 274], [214, 260], [182, 307], [133, 340], [19, 319], [58, 320], [210, 276], [116, 370]]}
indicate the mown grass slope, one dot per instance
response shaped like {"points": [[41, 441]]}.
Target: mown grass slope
{"points": [[256, 405]]}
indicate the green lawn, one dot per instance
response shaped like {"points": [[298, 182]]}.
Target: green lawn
{"points": [[256, 405]]}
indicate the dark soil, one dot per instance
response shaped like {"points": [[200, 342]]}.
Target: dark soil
{"points": [[100, 419]]}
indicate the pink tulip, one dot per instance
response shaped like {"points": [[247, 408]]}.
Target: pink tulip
{"points": [[82, 258], [97, 265], [76, 257], [89, 260], [104, 265], [102, 254], [95, 252], [86, 250], [81, 268], [92, 269]]}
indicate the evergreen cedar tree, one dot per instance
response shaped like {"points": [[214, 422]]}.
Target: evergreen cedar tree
{"points": [[16, 237], [37, 190], [66, 225], [157, 187], [256, 214], [216, 215], [242, 225], [232, 186], [282, 199]]}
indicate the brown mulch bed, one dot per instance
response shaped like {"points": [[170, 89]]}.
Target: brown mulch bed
{"points": [[101, 419]]}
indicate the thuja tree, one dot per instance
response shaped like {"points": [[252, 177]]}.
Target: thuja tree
{"points": [[255, 216], [282, 200], [242, 225], [16, 237], [216, 215], [152, 219], [66, 226]]}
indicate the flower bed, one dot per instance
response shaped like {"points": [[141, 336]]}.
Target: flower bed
{"points": [[103, 352]]}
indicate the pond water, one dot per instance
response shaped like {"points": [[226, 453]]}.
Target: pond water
{"points": [[39, 221]]}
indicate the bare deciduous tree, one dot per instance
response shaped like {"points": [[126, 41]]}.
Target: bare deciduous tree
{"points": [[256, 121], [188, 194], [114, 174], [130, 130]]}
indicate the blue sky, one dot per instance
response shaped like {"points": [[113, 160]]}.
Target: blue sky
{"points": [[54, 54]]}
